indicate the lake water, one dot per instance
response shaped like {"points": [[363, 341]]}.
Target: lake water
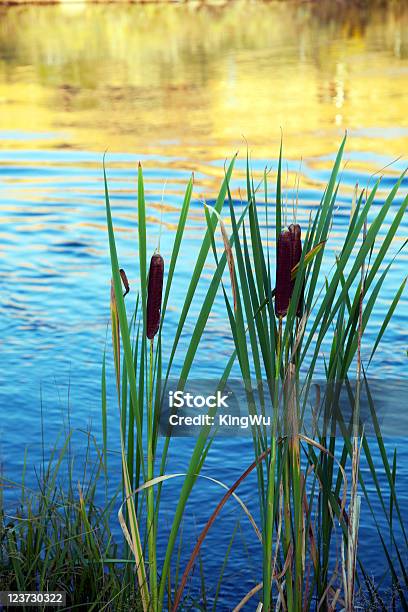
{"points": [[177, 87]]}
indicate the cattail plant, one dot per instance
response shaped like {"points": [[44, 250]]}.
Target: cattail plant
{"points": [[298, 520], [154, 295], [153, 310], [289, 251]]}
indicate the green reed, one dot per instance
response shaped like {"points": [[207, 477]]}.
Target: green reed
{"points": [[59, 538]]}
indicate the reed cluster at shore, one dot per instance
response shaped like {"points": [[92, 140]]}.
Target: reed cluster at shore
{"points": [[281, 315]]}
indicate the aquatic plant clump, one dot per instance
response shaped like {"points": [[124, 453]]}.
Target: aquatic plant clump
{"points": [[279, 324]]}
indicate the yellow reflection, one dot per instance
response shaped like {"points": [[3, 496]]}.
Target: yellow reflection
{"points": [[189, 80]]}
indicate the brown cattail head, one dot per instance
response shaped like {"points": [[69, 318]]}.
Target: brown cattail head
{"points": [[283, 269], [289, 253], [124, 281], [154, 295], [296, 235]]}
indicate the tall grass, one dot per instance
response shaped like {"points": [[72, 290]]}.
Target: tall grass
{"points": [[60, 537]]}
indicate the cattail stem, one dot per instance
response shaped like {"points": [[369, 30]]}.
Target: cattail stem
{"points": [[135, 540], [287, 513], [287, 538], [150, 490], [354, 510], [295, 474], [279, 346], [268, 567]]}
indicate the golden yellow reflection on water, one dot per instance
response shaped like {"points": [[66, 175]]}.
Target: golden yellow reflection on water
{"points": [[191, 80]]}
